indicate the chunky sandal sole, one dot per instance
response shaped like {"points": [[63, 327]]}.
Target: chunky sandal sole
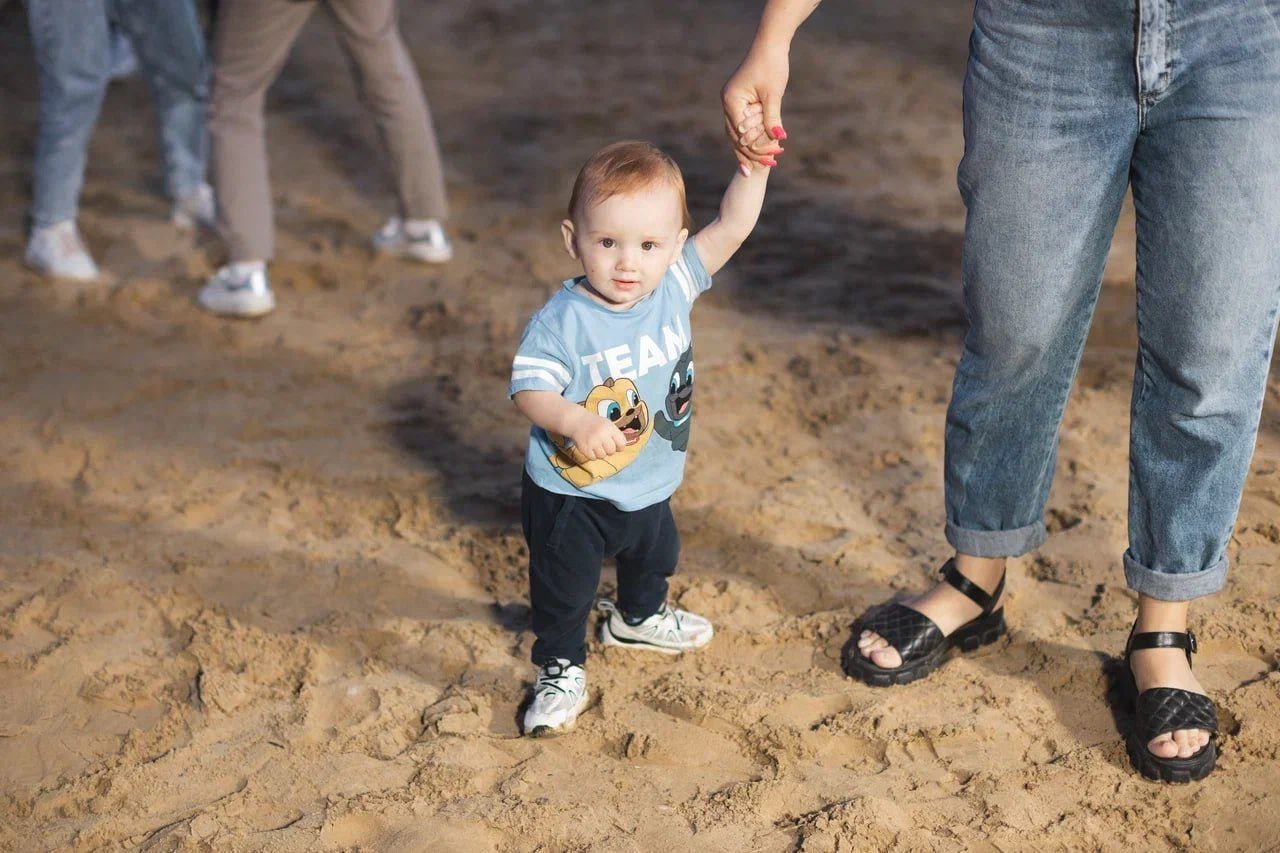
{"points": [[1178, 771], [973, 635]]}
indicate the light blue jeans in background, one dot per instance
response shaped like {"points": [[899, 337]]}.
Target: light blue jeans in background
{"points": [[1066, 104], [73, 49]]}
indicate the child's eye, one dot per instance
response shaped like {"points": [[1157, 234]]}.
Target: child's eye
{"points": [[647, 245], [607, 242]]}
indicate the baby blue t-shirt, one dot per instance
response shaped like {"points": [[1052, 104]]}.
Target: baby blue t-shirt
{"points": [[633, 367]]}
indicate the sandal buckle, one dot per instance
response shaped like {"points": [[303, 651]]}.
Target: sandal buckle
{"points": [[1192, 646]]}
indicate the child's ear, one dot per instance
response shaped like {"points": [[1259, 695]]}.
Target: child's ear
{"points": [[680, 238], [566, 231]]}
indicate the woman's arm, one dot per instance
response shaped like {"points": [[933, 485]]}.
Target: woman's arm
{"points": [[752, 98]]}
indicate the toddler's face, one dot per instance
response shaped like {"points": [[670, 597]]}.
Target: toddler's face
{"points": [[626, 243]]}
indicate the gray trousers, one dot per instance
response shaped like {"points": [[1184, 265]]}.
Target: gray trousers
{"points": [[251, 44]]}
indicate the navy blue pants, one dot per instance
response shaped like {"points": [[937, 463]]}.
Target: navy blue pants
{"points": [[569, 539]]}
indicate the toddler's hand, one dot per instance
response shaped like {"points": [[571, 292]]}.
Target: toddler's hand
{"points": [[596, 437]]}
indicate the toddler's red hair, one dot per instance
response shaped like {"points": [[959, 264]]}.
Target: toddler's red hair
{"points": [[623, 168]]}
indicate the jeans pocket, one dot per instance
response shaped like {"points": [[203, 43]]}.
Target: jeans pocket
{"points": [[561, 522]]}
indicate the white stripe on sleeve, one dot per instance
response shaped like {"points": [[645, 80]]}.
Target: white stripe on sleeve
{"points": [[681, 272], [544, 375], [554, 366]]}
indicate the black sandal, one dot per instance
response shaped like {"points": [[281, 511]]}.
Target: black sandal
{"points": [[1166, 709], [919, 641]]}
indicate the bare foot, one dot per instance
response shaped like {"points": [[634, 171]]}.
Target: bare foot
{"points": [[947, 606]]}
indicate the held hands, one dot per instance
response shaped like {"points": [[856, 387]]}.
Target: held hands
{"points": [[594, 436], [752, 101]]}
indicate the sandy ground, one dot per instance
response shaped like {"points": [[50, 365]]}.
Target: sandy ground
{"points": [[263, 583]]}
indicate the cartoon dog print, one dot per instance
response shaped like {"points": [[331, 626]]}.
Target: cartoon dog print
{"points": [[674, 422], [618, 401]]}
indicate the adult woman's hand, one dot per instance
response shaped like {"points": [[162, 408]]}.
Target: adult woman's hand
{"points": [[752, 101], [752, 98]]}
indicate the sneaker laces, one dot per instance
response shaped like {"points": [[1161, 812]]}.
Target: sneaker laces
{"points": [[662, 615], [553, 676]]}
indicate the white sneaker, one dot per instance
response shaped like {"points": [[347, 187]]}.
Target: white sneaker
{"points": [[669, 631], [195, 208], [239, 290], [57, 250], [558, 696], [421, 240]]}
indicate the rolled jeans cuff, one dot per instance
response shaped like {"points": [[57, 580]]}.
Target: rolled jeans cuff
{"points": [[996, 543], [1168, 586]]}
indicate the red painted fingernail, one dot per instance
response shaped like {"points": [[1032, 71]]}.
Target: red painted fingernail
{"points": [[778, 132], [768, 161]]}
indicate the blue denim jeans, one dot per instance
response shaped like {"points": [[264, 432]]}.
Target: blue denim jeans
{"points": [[73, 49], [1066, 104]]}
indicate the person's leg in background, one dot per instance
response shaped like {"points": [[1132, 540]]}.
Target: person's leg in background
{"points": [[1206, 186], [251, 42], [72, 48], [170, 47], [389, 84]]}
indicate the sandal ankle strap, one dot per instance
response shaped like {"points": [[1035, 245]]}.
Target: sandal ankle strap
{"points": [[976, 594], [1163, 640]]}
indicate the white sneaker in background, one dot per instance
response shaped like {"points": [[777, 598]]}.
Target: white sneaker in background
{"points": [[58, 250], [422, 240], [669, 631], [195, 208], [239, 290], [559, 696]]}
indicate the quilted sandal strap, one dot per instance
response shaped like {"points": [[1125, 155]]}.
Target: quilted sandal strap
{"points": [[909, 631], [1163, 640], [1165, 709], [976, 594]]}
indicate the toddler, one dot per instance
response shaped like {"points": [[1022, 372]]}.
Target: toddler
{"points": [[605, 373]]}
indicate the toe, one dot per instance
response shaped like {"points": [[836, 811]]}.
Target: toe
{"points": [[869, 641], [1163, 746], [1182, 737], [1197, 739], [886, 657]]}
